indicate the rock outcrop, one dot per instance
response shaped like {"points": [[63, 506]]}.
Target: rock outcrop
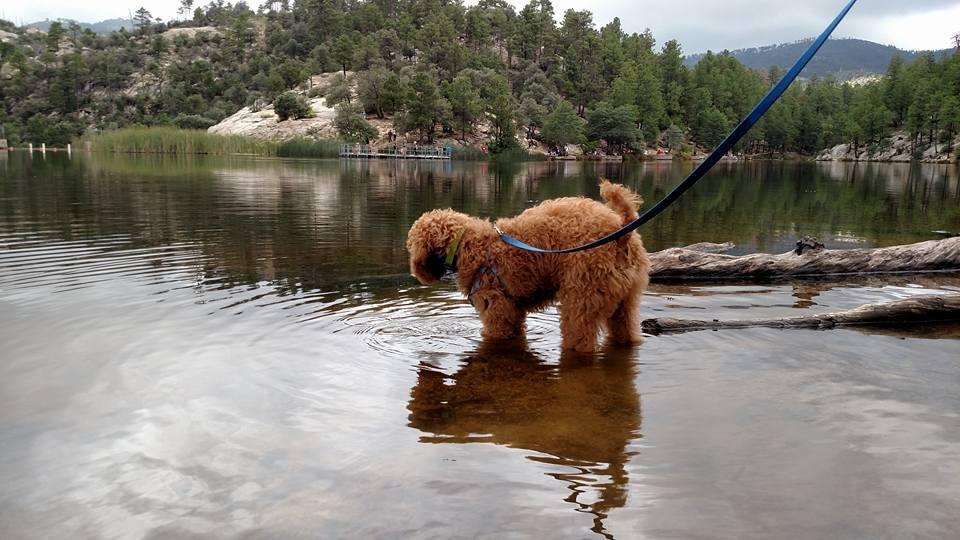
{"points": [[190, 32], [265, 124], [900, 149]]}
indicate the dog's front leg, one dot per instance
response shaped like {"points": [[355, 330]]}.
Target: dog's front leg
{"points": [[501, 317]]}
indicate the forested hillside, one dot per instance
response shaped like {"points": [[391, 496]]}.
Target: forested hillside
{"points": [[843, 58], [440, 67]]}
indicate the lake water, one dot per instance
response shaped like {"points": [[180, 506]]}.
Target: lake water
{"points": [[225, 348]]}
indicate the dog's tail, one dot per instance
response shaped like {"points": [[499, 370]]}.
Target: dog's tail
{"points": [[621, 200]]}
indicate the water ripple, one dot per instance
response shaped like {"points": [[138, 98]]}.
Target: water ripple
{"points": [[437, 323]]}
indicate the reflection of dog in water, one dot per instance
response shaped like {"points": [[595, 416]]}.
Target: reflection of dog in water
{"points": [[597, 288], [580, 415]]}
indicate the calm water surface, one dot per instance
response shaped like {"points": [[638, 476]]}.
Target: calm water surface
{"points": [[232, 348]]}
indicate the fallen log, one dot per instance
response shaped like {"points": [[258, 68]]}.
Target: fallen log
{"points": [[684, 263], [919, 309]]}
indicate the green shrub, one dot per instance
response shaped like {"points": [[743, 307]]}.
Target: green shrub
{"points": [[337, 91], [590, 147], [192, 121], [290, 105], [352, 126]]}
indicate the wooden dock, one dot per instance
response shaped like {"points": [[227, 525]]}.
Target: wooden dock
{"points": [[394, 151]]}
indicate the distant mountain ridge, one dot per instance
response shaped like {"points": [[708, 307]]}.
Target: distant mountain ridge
{"points": [[845, 58], [101, 27]]}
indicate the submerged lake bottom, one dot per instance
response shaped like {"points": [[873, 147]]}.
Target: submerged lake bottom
{"points": [[204, 348]]}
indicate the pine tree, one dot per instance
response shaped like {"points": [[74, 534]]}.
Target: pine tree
{"points": [[343, 51], [616, 125], [897, 90], [422, 102], [464, 104], [371, 89], [562, 126], [500, 111], [142, 19]]}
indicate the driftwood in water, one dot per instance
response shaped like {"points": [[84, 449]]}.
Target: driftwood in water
{"points": [[920, 309], [685, 263]]}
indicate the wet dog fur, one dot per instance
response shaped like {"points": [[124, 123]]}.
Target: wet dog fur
{"points": [[595, 289]]}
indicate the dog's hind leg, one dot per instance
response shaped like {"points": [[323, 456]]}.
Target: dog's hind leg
{"points": [[624, 325], [580, 323]]}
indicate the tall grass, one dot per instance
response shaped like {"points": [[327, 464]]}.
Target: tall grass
{"points": [[169, 140], [309, 148]]}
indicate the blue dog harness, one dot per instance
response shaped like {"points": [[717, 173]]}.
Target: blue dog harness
{"points": [[489, 267]]}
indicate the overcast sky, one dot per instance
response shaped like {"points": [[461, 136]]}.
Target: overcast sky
{"points": [[698, 24]]}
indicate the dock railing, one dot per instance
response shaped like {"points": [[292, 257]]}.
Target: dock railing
{"points": [[395, 151]]}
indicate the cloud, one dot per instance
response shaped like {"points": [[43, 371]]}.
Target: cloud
{"points": [[38, 10], [700, 25], [697, 24]]}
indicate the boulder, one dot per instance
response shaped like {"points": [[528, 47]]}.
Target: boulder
{"points": [[265, 124]]}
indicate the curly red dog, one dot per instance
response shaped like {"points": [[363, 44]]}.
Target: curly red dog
{"points": [[597, 288]]}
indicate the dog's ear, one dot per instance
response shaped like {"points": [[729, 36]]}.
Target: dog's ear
{"points": [[425, 245], [428, 268]]}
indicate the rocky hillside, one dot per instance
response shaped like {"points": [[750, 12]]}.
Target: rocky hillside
{"points": [[899, 148], [263, 123]]}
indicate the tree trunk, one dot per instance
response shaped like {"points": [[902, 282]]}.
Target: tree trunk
{"points": [[920, 309], [686, 263]]}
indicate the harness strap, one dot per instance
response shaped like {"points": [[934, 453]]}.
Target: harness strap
{"points": [[490, 266], [452, 254]]}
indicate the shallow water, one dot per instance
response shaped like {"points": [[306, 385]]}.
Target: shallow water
{"points": [[232, 348]]}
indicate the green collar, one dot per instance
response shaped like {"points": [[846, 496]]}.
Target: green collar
{"points": [[452, 254]]}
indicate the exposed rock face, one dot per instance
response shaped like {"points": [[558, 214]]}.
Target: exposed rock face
{"points": [[190, 32], [264, 123], [899, 150]]}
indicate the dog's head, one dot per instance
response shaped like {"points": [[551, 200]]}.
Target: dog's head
{"points": [[428, 241]]}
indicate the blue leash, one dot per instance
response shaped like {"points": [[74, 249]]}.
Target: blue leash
{"points": [[737, 133]]}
